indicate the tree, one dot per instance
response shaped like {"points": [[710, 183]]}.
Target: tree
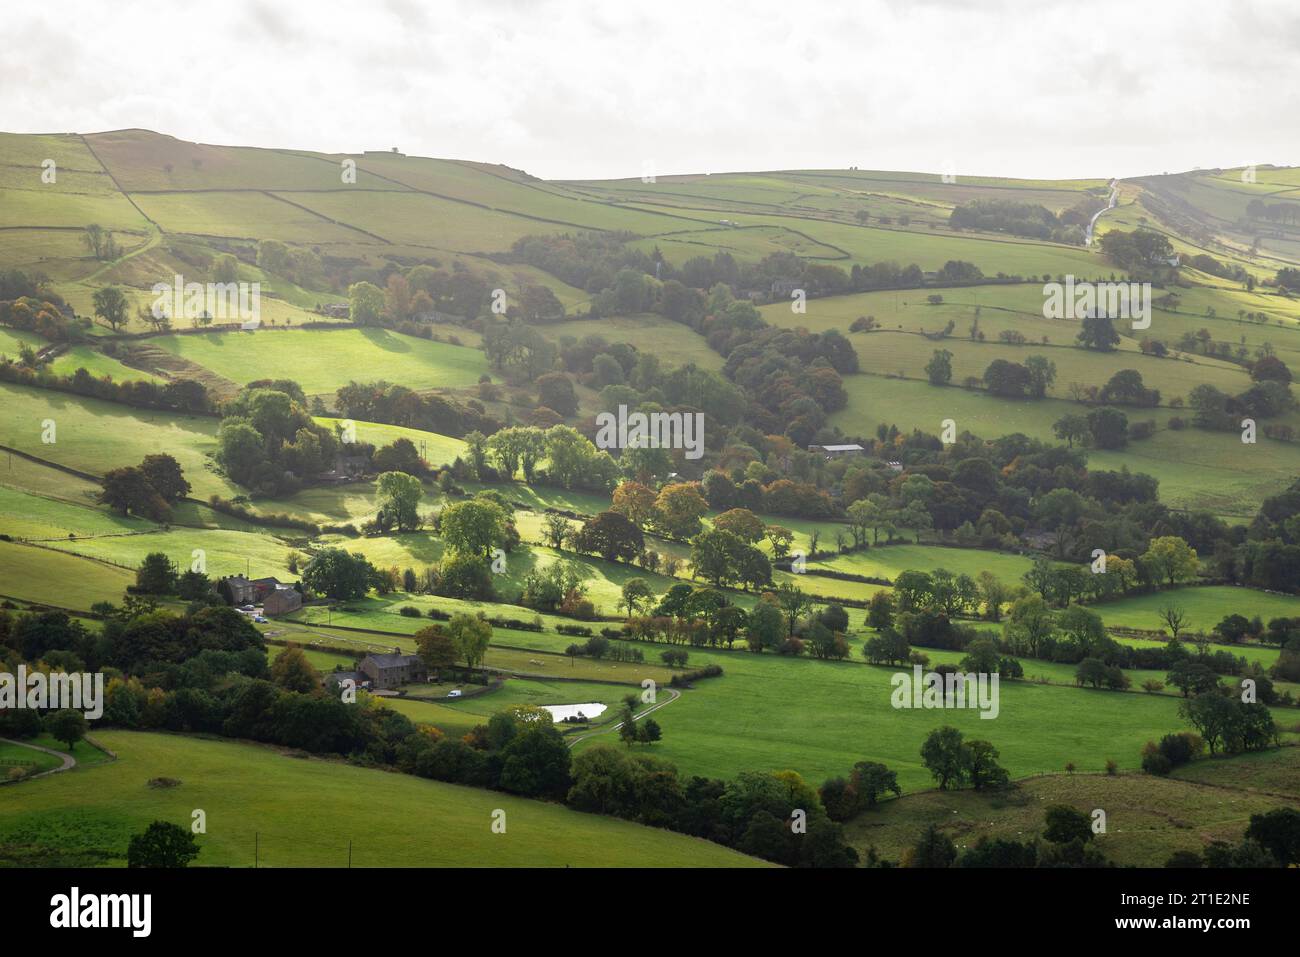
{"points": [[1108, 428], [535, 762], [870, 781], [156, 575], [780, 539], [555, 391], [1212, 715], [627, 730], [612, 536], [794, 602], [555, 529], [1174, 616], [650, 731], [742, 523], [1278, 832], [934, 849], [399, 495], [94, 238], [636, 594], [1071, 429], [366, 303], [678, 509], [1171, 558], [636, 501], [162, 844], [129, 491], [880, 610], [716, 556], [110, 305], [985, 772], [470, 634], [435, 648], [944, 756], [1042, 373], [67, 725], [1010, 380], [293, 672], [473, 527], [164, 475], [766, 627], [1098, 333], [1065, 824], [339, 575], [939, 369]]}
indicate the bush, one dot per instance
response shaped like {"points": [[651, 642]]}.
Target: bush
{"points": [[409, 611]]}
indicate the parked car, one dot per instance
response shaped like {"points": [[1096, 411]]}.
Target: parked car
{"points": [[454, 694], [260, 619]]}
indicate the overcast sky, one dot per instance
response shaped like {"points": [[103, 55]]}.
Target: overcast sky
{"points": [[607, 89]]}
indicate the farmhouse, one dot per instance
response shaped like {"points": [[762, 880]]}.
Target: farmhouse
{"points": [[282, 600], [392, 671], [336, 678], [238, 590], [782, 288], [335, 310], [837, 451]]}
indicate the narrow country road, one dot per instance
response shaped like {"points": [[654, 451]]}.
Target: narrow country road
{"points": [[68, 760], [654, 707], [1092, 223]]}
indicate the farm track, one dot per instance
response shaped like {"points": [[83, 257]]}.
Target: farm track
{"points": [[68, 760], [636, 717]]}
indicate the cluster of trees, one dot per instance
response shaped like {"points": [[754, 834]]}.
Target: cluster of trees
{"points": [[1025, 219], [136, 637], [424, 292], [1213, 409], [398, 405], [776, 816], [783, 620], [1067, 841], [269, 442], [28, 303], [1136, 252], [1273, 212], [149, 489]]}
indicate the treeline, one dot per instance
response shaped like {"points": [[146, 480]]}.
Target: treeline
{"points": [[1026, 219], [178, 395]]}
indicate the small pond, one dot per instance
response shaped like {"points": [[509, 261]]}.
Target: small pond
{"points": [[592, 709]]}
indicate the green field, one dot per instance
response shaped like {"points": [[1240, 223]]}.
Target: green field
{"points": [[1205, 606], [886, 561], [336, 358], [86, 817], [53, 578]]}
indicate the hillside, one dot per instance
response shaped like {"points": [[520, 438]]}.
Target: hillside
{"points": [[904, 459]]}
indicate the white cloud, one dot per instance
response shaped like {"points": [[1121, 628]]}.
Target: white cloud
{"points": [[577, 89]]}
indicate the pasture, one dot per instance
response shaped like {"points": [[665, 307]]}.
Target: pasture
{"points": [[86, 817], [1146, 817], [337, 358]]}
